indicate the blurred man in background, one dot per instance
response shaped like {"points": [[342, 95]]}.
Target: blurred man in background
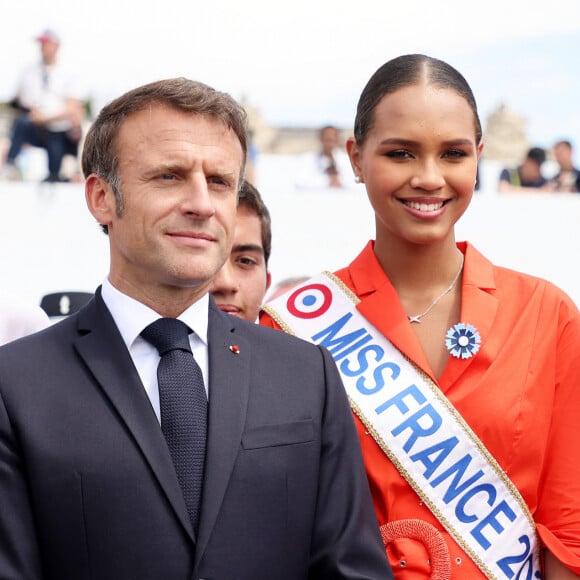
{"points": [[568, 177], [49, 111]]}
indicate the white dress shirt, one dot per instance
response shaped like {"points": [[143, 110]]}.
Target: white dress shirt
{"points": [[47, 88], [132, 317]]}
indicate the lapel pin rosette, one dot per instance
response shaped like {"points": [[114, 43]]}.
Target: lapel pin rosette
{"points": [[462, 340]]}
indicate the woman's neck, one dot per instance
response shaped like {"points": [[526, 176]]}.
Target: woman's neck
{"points": [[414, 268]]}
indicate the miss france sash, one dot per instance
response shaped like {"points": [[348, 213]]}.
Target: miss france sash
{"points": [[418, 429]]}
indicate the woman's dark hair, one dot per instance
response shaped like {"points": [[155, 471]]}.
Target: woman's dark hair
{"points": [[409, 69]]}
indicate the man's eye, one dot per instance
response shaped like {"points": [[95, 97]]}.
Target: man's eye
{"points": [[245, 261], [218, 181]]}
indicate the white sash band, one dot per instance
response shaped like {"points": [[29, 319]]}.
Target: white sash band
{"points": [[419, 430]]}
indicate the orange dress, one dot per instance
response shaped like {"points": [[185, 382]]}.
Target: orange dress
{"points": [[520, 394]]}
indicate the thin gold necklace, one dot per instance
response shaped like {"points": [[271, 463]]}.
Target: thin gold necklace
{"points": [[417, 317]]}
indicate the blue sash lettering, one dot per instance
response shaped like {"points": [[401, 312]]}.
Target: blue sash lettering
{"points": [[485, 489], [362, 359], [458, 469], [419, 429], [399, 400], [337, 346], [379, 380], [434, 456], [491, 520]]}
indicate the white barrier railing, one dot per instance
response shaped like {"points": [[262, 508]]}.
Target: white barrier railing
{"points": [[49, 241]]}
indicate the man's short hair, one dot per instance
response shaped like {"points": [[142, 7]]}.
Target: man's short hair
{"points": [[250, 198], [323, 130], [100, 155], [537, 154], [48, 35], [564, 142]]}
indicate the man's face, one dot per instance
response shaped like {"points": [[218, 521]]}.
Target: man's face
{"points": [[48, 50], [329, 140], [530, 169], [179, 176], [239, 287], [563, 155]]}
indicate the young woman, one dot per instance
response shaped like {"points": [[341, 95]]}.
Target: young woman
{"points": [[463, 375]]}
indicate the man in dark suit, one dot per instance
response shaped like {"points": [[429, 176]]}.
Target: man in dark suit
{"points": [[90, 485]]}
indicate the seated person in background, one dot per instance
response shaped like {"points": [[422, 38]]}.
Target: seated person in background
{"points": [[49, 111], [240, 285], [328, 167], [568, 177], [527, 176]]}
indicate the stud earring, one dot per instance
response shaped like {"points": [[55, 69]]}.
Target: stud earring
{"points": [[358, 179]]}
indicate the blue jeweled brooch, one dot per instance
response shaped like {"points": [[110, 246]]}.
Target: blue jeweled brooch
{"points": [[462, 340]]}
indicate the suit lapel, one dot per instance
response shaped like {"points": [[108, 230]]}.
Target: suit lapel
{"points": [[229, 370], [103, 351]]}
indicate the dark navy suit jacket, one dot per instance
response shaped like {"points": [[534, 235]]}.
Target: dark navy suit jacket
{"points": [[88, 490]]}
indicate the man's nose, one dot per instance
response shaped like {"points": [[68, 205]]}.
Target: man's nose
{"points": [[224, 282], [196, 197]]}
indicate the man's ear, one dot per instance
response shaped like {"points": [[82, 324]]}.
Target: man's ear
{"points": [[100, 199], [268, 280]]}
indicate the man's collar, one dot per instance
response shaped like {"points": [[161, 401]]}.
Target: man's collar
{"points": [[132, 316]]}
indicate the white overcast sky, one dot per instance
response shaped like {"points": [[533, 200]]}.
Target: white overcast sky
{"points": [[305, 62]]}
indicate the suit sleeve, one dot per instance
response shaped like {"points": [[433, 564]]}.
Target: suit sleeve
{"points": [[19, 556], [346, 541]]}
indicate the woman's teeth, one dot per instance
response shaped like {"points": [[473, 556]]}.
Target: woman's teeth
{"points": [[424, 206]]}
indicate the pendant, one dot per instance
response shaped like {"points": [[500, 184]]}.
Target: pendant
{"points": [[416, 319], [462, 340]]}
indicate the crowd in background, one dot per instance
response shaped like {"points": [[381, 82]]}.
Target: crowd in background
{"points": [[50, 113]]}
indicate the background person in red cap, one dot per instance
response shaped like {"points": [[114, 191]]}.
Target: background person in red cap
{"points": [[49, 111]]}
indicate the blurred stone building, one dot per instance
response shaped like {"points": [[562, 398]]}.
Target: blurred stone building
{"points": [[505, 136], [283, 140]]}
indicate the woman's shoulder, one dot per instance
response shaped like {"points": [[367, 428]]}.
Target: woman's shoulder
{"points": [[526, 284], [513, 286], [526, 289]]}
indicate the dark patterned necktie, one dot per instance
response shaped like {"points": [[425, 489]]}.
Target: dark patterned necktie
{"points": [[183, 404]]}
